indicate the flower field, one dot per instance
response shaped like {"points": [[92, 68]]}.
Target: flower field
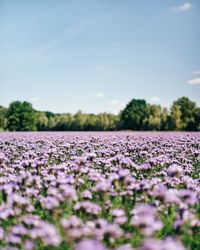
{"points": [[100, 191]]}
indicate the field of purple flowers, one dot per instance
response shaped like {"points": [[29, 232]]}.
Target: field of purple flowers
{"points": [[100, 191]]}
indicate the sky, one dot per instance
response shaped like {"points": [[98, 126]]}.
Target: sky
{"points": [[97, 55]]}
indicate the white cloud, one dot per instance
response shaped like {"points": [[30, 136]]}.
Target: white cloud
{"points": [[114, 102], [99, 95], [182, 7], [155, 99], [196, 72], [194, 81]]}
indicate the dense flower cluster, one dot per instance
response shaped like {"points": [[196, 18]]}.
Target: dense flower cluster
{"points": [[100, 191]]}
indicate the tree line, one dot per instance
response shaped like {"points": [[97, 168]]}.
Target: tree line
{"points": [[183, 115]]}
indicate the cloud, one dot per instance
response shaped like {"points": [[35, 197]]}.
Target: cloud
{"points": [[182, 7], [196, 72], [194, 81], [155, 99], [99, 95], [114, 102]]}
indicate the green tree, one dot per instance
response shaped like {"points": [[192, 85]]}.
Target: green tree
{"points": [[164, 119], [153, 117], [21, 117], [133, 115], [79, 120], [174, 120], [64, 122], [51, 123], [2, 118], [91, 123], [41, 121], [186, 108], [196, 126], [111, 122]]}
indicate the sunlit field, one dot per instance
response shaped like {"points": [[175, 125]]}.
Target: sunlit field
{"points": [[85, 191]]}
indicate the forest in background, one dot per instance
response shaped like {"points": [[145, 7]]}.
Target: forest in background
{"points": [[138, 115]]}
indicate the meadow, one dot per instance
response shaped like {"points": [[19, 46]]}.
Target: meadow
{"points": [[100, 191]]}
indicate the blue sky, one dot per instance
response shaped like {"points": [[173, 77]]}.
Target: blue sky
{"points": [[96, 55]]}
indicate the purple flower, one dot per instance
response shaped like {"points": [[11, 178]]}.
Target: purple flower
{"points": [[102, 186], [124, 247], [119, 216], [188, 196], [174, 170], [144, 218], [3, 158], [187, 217], [87, 194], [13, 239], [1, 233], [90, 245], [118, 212], [47, 233], [5, 211], [112, 231], [49, 202], [72, 221], [19, 230], [97, 177], [29, 245], [88, 207], [166, 244]]}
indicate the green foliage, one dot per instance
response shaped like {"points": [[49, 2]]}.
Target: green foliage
{"points": [[153, 117], [2, 118], [137, 115], [64, 122], [175, 118], [196, 124], [133, 115], [186, 110], [21, 117], [41, 121], [164, 119]]}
